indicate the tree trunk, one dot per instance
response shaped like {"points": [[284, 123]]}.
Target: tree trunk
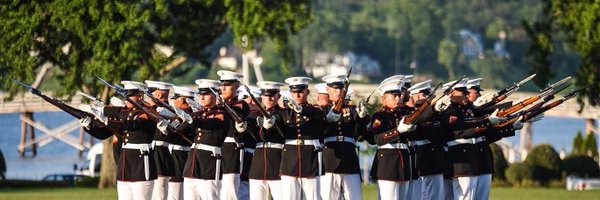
{"points": [[108, 168]]}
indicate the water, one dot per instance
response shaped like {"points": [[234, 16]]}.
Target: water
{"points": [[58, 157]]}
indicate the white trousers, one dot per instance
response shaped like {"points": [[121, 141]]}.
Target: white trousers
{"points": [[161, 185], [333, 186], [484, 182], [262, 189], [243, 191], [432, 187], [300, 188], [229, 186], [200, 189], [448, 189], [175, 192], [414, 189], [139, 190], [464, 188], [392, 190]]}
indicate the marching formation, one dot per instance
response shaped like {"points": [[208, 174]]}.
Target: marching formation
{"points": [[226, 140]]}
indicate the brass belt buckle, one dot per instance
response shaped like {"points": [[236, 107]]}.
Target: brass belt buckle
{"points": [[339, 138], [299, 142]]}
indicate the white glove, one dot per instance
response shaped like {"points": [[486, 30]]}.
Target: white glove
{"points": [[183, 115], [518, 125], [536, 118], [196, 107], [241, 127], [175, 123], [442, 104], [294, 106], [96, 111], [268, 122], [494, 119], [117, 102], [486, 98], [165, 112], [85, 122], [361, 109], [332, 116], [404, 128], [162, 126]]}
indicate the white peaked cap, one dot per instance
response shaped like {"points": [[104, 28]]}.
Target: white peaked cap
{"points": [[208, 83], [269, 85], [183, 91], [321, 88], [462, 83], [229, 75], [335, 78], [390, 85], [298, 80], [474, 83], [158, 85], [419, 87], [392, 78], [133, 85]]}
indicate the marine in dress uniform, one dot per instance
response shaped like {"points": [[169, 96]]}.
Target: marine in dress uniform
{"points": [[428, 143], [322, 95], [302, 126], [183, 99], [464, 133], [202, 171], [391, 167], [160, 144], [136, 169], [342, 131], [233, 148], [265, 181], [249, 142]]}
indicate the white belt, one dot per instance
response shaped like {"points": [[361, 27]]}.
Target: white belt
{"points": [[142, 146], [249, 150], [230, 140], [393, 146], [144, 151], [418, 142], [339, 139], [159, 143], [465, 141], [269, 145], [213, 149], [180, 147], [303, 142]]}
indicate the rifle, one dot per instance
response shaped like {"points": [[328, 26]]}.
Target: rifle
{"points": [[228, 109], [154, 117], [369, 97], [544, 93], [415, 115], [261, 109], [338, 106], [159, 102], [541, 103], [507, 91], [61, 105], [542, 109], [94, 100]]}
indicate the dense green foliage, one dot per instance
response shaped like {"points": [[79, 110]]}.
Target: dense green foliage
{"points": [[580, 165], [547, 163], [500, 163]]}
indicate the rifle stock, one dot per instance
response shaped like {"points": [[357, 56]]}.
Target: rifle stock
{"points": [[340, 102]]}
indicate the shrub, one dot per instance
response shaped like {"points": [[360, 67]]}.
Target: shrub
{"points": [[500, 163], [521, 174], [580, 165], [547, 162]]}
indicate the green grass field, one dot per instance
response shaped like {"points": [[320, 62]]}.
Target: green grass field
{"points": [[369, 192]]}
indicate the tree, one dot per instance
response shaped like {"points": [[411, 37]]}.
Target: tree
{"points": [[579, 20], [118, 40], [577, 144]]}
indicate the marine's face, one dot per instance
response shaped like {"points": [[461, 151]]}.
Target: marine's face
{"points": [[473, 94], [300, 97], [391, 100], [207, 100], [229, 91], [270, 101]]}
